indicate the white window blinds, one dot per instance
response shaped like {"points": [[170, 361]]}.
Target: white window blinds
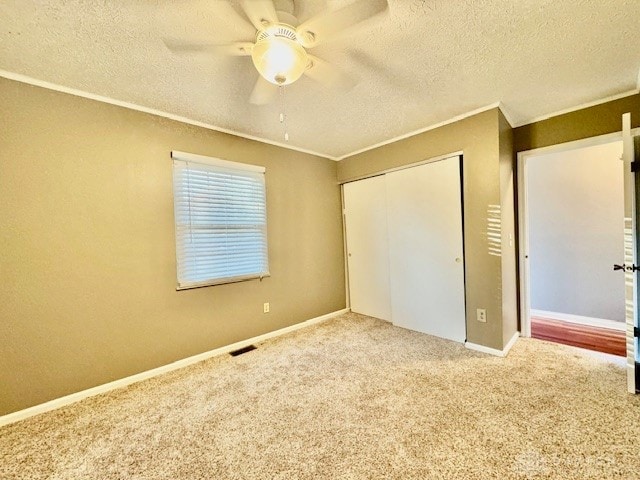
{"points": [[221, 220]]}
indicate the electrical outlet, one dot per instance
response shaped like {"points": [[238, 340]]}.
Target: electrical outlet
{"points": [[481, 315], [265, 308]]}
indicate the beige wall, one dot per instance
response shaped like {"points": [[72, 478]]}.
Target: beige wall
{"points": [[478, 137], [588, 122], [88, 255], [509, 262]]}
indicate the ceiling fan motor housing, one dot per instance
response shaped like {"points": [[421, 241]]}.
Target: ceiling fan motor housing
{"points": [[278, 55]]}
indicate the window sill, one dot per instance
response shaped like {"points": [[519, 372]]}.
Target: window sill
{"points": [[222, 281]]}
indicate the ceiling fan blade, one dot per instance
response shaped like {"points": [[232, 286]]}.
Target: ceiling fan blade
{"points": [[263, 92], [321, 27], [261, 13], [234, 20], [326, 74], [237, 49]]}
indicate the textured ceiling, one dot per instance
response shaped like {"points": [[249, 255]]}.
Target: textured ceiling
{"points": [[420, 63]]}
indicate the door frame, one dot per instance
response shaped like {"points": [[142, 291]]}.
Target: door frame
{"points": [[377, 173], [345, 253], [632, 231], [523, 214]]}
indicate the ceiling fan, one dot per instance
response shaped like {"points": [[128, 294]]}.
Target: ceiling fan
{"points": [[280, 50]]}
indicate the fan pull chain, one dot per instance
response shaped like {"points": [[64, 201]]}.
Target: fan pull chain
{"points": [[283, 115]]}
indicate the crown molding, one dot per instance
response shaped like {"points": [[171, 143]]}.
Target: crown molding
{"points": [[152, 111], [131, 106], [423, 130], [507, 114], [578, 107]]}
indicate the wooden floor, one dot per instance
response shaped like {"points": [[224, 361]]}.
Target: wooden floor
{"points": [[583, 336]]}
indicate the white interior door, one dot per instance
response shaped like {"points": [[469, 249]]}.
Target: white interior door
{"points": [[424, 215], [629, 266], [367, 247]]}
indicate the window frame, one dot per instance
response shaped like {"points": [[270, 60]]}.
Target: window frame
{"points": [[192, 158]]}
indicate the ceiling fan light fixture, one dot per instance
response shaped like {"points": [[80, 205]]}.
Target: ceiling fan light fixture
{"points": [[278, 56]]}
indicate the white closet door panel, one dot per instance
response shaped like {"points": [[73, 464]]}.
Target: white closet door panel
{"points": [[367, 247], [425, 249]]}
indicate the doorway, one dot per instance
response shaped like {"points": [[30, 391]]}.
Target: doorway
{"points": [[571, 223]]}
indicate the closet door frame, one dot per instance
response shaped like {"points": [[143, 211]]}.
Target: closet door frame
{"points": [[458, 153]]}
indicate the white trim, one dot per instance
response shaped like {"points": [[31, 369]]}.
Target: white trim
{"points": [[580, 320], [630, 250], [638, 81], [422, 130], [523, 213], [132, 106], [506, 114], [504, 111], [511, 343], [217, 162], [523, 245], [580, 107], [576, 144], [494, 351], [404, 167], [221, 281], [631, 379], [345, 250], [123, 382]]}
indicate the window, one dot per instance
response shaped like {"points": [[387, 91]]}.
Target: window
{"points": [[221, 220]]}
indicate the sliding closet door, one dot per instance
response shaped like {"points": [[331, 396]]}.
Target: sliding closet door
{"points": [[425, 249], [367, 247]]}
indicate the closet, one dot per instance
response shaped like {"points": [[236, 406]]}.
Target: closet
{"points": [[405, 248]]}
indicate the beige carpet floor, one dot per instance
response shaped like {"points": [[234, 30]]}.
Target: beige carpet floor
{"points": [[352, 398]]}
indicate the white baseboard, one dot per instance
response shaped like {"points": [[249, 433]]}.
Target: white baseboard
{"points": [[494, 351], [592, 322], [123, 382], [511, 343]]}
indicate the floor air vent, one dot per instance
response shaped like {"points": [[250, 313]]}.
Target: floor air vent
{"points": [[240, 351]]}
